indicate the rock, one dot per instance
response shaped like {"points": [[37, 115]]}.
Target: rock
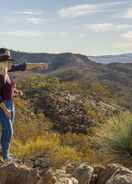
{"points": [[74, 180], [115, 174], [69, 167], [94, 179], [97, 170], [64, 178], [41, 162], [67, 181], [47, 177], [17, 174], [84, 173]]}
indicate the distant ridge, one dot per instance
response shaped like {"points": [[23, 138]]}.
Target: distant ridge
{"points": [[55, 61], [106, 59], [21, 57]]}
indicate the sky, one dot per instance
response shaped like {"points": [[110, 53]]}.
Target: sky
{"points": [[91, 27]]}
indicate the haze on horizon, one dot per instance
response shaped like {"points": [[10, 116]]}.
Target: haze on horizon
{"points": [[90, 27]]}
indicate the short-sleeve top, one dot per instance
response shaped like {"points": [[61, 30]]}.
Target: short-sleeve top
{"points": [[6, 89]]}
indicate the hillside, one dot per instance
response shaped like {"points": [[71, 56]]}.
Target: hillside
{"points": [[47, 57], [77, 111], [55, 61], [70, 120], [106, 59], [77, 67], [21, 57]]}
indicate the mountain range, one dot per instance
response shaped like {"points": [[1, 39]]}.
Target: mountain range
{"points": [[76, 67], [106, 59], [48, 57]]}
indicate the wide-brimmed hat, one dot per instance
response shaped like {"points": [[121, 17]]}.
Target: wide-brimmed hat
{"points": [[5, 55]]}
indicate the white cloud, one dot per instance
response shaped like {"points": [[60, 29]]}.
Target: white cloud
{"points": [[35, 20], [116, 3], [84, 9], [29, 16], [128, 13], [78, 10], [127, 35], [105, 27], [29, 12], [23, 19], [33, 34], [108, 27], [21, 33]]}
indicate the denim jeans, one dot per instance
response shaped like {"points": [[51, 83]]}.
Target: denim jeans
{"points": [[7, 129]]}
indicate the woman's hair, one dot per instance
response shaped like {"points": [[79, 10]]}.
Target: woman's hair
{"points": [[3, 65]]}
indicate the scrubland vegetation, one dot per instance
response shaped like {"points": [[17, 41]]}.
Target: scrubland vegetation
{"points": [[109, 139]]}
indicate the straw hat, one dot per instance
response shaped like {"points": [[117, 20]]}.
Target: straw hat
{"points": [[5, 55]]}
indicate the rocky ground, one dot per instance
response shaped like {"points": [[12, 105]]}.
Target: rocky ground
{"points": [[71, 113], [67, 113], [19, 173]]}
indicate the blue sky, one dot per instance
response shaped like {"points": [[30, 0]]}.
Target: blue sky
{"points": [[91, 27]]}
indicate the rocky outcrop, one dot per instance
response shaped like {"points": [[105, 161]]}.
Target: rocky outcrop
{"points": [[84, 173], [13, 173], [111, 174], [115, 174], [72, 112], [67, 112]]}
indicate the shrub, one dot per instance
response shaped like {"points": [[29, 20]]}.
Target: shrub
{"points": [[117, 134]]}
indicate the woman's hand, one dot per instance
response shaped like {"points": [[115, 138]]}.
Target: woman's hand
{"points": [[7, 113], [6, 110]]}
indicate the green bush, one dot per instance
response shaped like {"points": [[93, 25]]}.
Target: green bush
{"points": [[117, 134]]}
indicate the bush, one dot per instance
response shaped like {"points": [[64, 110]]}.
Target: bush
{"points": [[117, 134]]}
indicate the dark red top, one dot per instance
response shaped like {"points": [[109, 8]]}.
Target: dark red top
{"points": [[7, 90]]}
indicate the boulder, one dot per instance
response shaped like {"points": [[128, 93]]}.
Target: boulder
{"points": [[84, 173], [47, 177], [115, 174], [66, 180], [97, 170], [17, 174]]}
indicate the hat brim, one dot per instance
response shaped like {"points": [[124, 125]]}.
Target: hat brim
{"points": [[10, 59], [4, 60]]}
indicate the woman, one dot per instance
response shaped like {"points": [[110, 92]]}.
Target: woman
{"points": [[7, 109]]}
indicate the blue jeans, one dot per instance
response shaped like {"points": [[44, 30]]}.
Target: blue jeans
{"points": [[7, 129]]}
